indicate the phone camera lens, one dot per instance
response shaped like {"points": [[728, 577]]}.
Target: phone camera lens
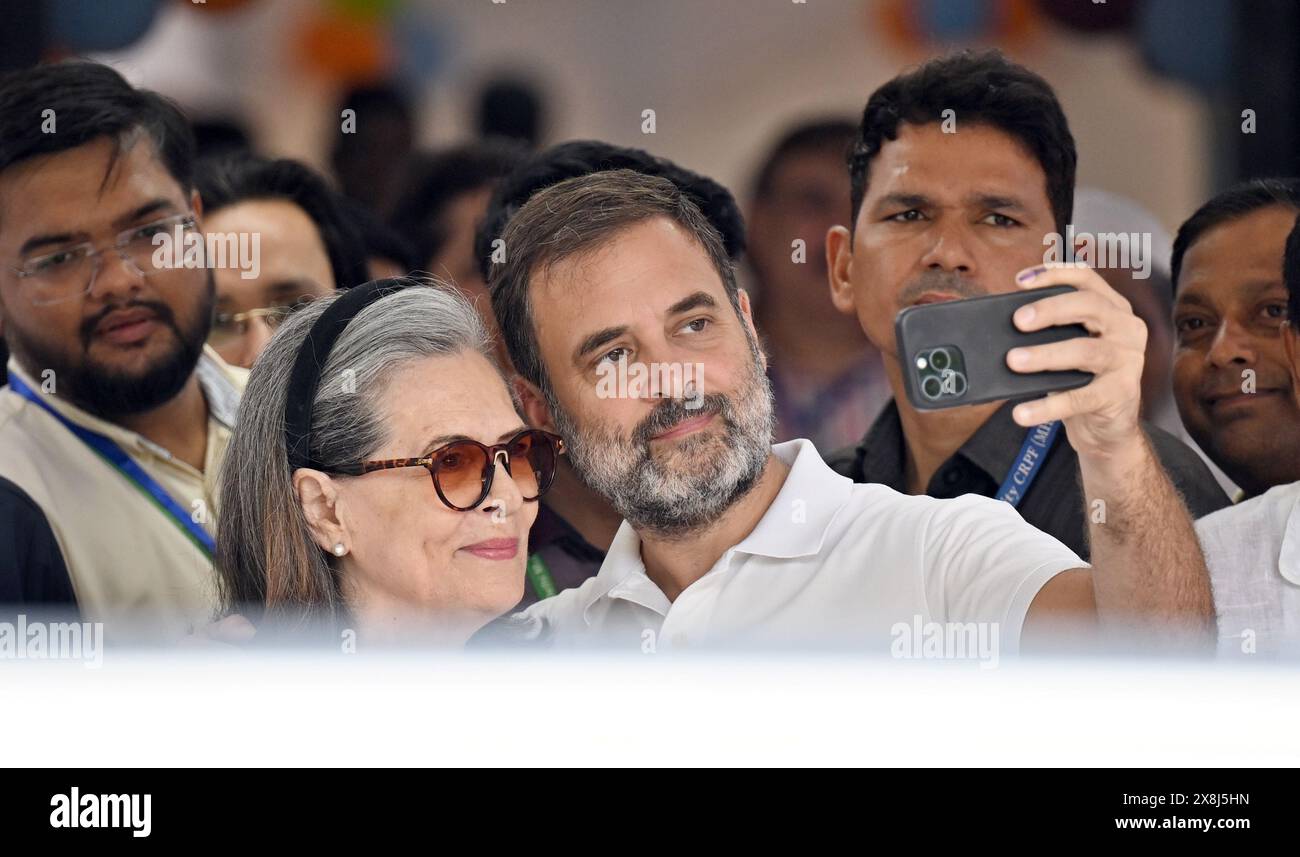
{"points": [[932, 387], [940, 359]]}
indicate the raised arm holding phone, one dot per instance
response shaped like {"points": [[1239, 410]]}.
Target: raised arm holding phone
{"points": [[945, 213]]}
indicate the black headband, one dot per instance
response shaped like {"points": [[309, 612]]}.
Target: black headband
{"points": [[312, 354]]}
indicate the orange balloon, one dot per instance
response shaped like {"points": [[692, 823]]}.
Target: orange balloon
{"points": [[1013, 22], [1019, 21], [348, 50]]}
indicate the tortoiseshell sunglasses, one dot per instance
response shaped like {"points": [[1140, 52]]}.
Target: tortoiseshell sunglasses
{"points": [[462, 470]]}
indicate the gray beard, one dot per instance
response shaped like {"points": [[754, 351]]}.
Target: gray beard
{"points": [[686, 490]]}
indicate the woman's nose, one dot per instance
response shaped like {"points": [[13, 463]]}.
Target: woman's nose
{"points": [[504, 497]]}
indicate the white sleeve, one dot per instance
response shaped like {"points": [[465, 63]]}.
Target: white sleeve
{"points": [[1243, 548], [983, 563]]}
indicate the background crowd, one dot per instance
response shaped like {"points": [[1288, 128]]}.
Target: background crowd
{"points": [[366, 141]]}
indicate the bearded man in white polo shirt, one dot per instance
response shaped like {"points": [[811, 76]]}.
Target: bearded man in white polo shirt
{"points": [[622, 315]]}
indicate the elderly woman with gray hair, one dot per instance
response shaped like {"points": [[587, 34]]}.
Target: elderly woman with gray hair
{"points": [[379, 479]]}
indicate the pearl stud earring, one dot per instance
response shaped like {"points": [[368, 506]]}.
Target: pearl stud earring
{"points": [[339, 549]]}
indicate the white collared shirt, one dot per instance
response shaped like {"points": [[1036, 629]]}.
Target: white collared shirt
{"points": [[1253, 552], [831, 563]]}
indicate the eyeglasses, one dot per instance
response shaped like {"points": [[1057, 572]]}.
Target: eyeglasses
{"points": [[71, 271], [462, 470], [228, 327]]}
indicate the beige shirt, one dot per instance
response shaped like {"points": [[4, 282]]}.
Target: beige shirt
{"points": [[131, 564]]}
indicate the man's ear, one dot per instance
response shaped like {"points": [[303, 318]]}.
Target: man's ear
{"points": [[1292, 349], [747, 317], [196, 204], [533, 404], [319, 498], [839, 269], [746, 309]]}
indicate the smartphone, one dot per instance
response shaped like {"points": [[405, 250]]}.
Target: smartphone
{"points": [[955, 353]]}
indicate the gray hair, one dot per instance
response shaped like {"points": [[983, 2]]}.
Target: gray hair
{"points": [[266, 556], [575, 217]]}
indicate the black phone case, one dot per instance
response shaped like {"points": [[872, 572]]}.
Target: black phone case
{"points": [[982, 330]]}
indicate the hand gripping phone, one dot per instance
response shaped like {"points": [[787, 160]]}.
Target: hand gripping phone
{"points": [[955, 353]]}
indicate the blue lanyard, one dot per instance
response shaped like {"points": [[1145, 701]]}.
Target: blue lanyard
{"points": [[1024, 470], [116, 456]]}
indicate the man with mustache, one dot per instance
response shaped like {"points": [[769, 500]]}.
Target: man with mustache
{"points": [[116, 417], [1232, 378], [728, 540], [575, 525], [1253, 548], [944, 210]]}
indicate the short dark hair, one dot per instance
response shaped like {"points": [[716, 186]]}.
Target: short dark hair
{"points": [[219, 136], [983, 88], [584, 157], [512, 109], [432, 181], [1234, 203], [832, 136], [378, 239], [1291, 271], [369, 100], [577, 216], [383, 96], [241, 177], [88, 101]]}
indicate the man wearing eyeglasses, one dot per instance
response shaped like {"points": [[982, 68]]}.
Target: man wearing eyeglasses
{"points": [[116, 417], [302, 246]]}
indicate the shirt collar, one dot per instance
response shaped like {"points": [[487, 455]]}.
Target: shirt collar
{"points": [[794, 525], [220, 392], [796, 522], [993, 448], [218, 389], [622, 575]]}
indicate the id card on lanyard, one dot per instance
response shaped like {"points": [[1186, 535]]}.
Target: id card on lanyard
{"points": [[1024, 470], [106, 449]]}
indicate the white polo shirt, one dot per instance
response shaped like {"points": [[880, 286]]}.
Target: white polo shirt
{"points": [[831, 563], [1253, 553]]}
